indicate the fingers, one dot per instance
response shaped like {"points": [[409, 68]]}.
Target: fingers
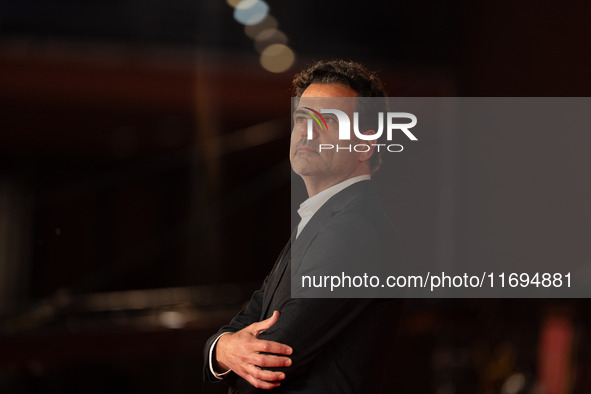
{"points": [[268, 346], [260, 378], [271, 347], [267, 376], [270, 361], [247, 355], [264, 325]]}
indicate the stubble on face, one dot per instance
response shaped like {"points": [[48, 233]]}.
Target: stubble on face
{"points": [[306, 158]]}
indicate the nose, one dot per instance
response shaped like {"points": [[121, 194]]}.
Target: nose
{"points": [[309, 132]]}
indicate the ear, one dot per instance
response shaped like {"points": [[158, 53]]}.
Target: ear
{"points": [[365, 156]]}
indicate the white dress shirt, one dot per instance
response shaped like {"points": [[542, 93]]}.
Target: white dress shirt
{"points": [[309, 207]]}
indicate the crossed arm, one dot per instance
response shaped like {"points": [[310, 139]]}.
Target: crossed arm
{"points": [[281, 348], [240, 350], [271, 352]]}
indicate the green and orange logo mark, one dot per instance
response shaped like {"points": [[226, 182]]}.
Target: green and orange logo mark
{"points": [[315, 115]]}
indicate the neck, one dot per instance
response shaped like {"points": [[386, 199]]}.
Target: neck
{"points": [[314, 185]]}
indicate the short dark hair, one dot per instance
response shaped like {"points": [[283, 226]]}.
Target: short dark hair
{"points": [[355, 76]]}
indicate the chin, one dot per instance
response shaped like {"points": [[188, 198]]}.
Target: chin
{"points": [[304, 170], [302, 166], [300, 171]]}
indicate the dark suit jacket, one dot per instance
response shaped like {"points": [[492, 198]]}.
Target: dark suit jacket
{"points": [[340, 345]]}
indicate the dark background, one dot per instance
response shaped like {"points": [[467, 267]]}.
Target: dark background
{"points": [[145, 188]]}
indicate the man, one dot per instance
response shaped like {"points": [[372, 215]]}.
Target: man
{"points": [[312, 345]]}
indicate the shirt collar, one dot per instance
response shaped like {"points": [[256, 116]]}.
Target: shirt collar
{"points": [[309, 207]]}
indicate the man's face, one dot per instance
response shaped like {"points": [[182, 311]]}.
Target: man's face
{"points": [[327, 166]]}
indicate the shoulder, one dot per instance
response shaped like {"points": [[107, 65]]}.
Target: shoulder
{"points": [[357, 210], [352, 223]]}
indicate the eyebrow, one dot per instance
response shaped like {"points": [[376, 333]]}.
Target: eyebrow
{"points": [[301, 112]]}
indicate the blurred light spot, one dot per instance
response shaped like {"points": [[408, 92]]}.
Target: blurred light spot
{"points": [[277, 58], [244, 4], [514, 384], [137, 299], [233, 3], [251, 12], [172, 319], [268, 23], [268, 37]]}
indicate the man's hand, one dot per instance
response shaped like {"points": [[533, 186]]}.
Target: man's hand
{"points": [[241, 352]]}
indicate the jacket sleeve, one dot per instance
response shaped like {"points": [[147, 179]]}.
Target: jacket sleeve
{"points": [[310, 325], [247, 316], [250, 314]]}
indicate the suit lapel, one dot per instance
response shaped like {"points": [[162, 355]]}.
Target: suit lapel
{"points": [[276, 275], [322, 217], [290, 258]]}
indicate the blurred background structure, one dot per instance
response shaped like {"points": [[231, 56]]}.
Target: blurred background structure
{"points": [[144, 180]]}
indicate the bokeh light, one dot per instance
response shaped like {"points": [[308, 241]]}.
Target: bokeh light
{"points": [[277, 58], [251, 12], [268, 23], [233, 3], [269, 37]]}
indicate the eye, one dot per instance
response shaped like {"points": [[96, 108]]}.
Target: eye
{"points": [[299, 119]]}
